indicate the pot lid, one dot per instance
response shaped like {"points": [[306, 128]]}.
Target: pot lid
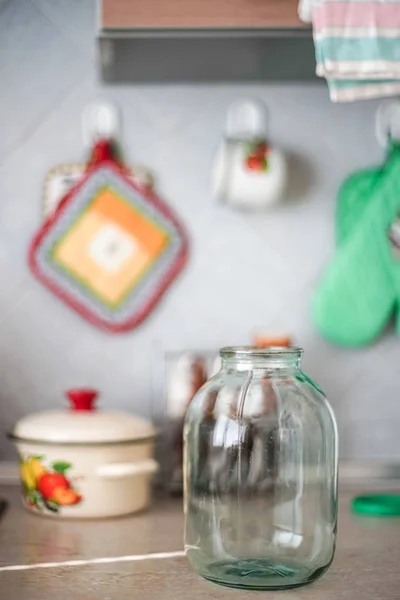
{"points": [[83, 423]]}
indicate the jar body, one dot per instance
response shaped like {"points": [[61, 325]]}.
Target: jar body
{"points": [[260, 474]]}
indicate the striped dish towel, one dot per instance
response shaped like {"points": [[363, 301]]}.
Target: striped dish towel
{"points": [[357, 46]]}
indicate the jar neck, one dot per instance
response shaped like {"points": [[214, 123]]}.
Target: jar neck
{"points": [[242, 358], [273, 365]]}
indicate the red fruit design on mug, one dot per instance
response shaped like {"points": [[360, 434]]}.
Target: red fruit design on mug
{"points": [[256, 157], [256, 163]]}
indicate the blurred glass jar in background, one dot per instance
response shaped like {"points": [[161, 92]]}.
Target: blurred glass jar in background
{"points": [[186, 378], [260, 473]]}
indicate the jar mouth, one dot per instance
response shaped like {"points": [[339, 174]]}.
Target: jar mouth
{"points": [[251, 352]]}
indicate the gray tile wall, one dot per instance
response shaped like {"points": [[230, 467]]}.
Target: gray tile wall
{"points": [[245, 270]]}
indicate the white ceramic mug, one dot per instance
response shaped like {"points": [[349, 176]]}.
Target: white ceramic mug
{"points": [[248, 172]]}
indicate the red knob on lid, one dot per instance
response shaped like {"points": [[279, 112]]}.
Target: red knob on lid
{"points": [[82, 399]]}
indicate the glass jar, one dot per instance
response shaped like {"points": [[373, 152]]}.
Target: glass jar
{"points": [[260, 473]]}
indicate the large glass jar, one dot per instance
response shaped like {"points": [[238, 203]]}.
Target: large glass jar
{"points": [[260, 473]]}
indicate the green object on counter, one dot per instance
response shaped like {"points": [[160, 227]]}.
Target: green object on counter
{"points": [[378, 505], [361, 287]]}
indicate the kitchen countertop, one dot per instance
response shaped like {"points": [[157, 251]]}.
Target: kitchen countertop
{"points": [[366, 565]]}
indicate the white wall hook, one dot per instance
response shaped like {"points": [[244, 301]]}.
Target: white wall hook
{"points": [[247, 118], [387, 121], [100, 119]]}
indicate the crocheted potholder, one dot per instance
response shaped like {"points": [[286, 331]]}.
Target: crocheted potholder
{"points": [[111, 249]]}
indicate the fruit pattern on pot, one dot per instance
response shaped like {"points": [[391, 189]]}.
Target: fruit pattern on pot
{"points": [[256, 157], [47, 488]]}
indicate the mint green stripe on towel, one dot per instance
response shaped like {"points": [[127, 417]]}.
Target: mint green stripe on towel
{"points": [[360, 49], [354, 83]]}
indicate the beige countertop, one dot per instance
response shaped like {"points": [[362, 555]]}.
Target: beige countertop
{"points": [[366, 566]]}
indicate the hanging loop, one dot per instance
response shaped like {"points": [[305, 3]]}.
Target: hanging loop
{"points": [[387, 122]]}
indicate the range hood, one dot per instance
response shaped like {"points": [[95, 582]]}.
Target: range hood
{"points": [[203, 40]]}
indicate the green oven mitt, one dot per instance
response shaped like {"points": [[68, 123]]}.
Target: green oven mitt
{"points": [[359, 291], [353, 197]]}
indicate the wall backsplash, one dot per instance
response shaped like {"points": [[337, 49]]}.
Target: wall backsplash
{"points": [[245, 270]]}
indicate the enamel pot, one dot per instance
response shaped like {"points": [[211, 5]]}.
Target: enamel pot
{"points": [[85, 462]]}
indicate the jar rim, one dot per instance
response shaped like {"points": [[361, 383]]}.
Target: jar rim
{"points": [[254, 352]]}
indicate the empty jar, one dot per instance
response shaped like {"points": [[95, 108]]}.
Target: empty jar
{"points": [[260, 473]]}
